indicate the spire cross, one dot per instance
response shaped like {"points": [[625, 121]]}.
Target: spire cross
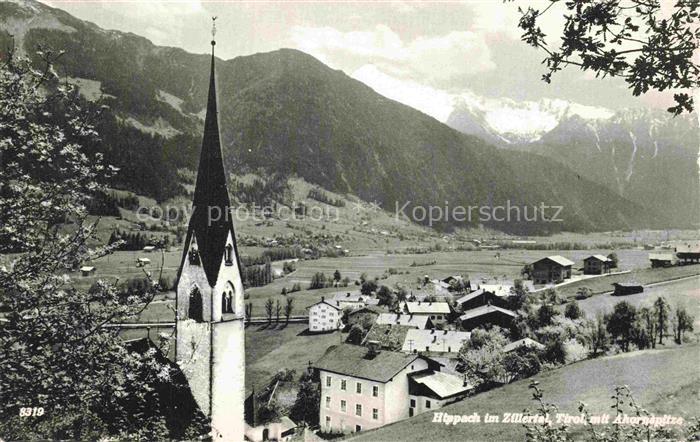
{"points": [[213, 30]]}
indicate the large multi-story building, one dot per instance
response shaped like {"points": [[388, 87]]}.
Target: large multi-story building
{"points": [[364, 388], [325, 316]]}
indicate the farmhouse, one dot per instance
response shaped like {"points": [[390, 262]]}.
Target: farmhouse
{"points": [[661, 259], [353, 300], [415, 321], [325, 316], [364, 315], [478, 298], [434, 389], [364, 388], [688, 253], [434, 341], [487, 315], [597, 265], [284, 394], [551, 269], [453, 280], [436, 311]]}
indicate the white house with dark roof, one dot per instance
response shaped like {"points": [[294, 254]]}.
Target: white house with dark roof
{"points": [[434, 341], [364, 388], [353, 300], [430, 390], [415, 321], [325, 316], [436, 311]]}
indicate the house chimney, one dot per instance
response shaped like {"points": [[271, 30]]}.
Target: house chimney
{"points": [[444, 332], [373, 348], [323, 298], [464, 380]]}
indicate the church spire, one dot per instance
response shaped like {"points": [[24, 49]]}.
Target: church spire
{"points": [[211, 222]]}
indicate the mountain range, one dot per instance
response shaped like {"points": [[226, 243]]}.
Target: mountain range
{"points": [[285, 112]]}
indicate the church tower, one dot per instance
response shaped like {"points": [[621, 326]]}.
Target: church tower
{"points": [[210, 347]]}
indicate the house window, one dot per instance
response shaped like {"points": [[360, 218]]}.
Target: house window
{"points": [[427, 403], [343, 384], [343, 406], [227, 302], [328, 402], [359, 388], [328, 381], [195, 309], [358, 428], [328, 421], [413, 403], [229, 254], [375, 391], [358, 409], [375, 414]]}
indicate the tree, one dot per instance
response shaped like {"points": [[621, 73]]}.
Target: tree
{"points": [[54, 348], [572, 310], [631, 39], [267, 412], [288, 309], [518, 295], [614, 260], [555, 350], [318, 281], [278, 310], [386, 296], [661, 310], [481, 357], [368, 287], [308, 401], [682, 322], [336, 276], [356, 334], [269, 307], [545, 314], [620, 323], [596, 335]]}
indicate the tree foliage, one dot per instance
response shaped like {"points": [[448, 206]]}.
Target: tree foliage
{"points": [[54, 351], [633, 39]]}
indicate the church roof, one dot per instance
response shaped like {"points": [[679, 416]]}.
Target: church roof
{"points": [[211, 221]]}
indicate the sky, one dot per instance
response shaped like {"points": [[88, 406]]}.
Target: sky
{"points": [[426, 54]]}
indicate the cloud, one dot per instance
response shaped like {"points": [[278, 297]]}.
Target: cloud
{"points": [[435, 59], [434, 102]]}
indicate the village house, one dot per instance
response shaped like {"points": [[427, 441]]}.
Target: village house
{"points": [[480, 297], [438, 312], [523, 343], [688, 253], [487, 315], [661, 259], [353, 300], [325, 316], [551, 269], [87, 270], [457, 280], [434, 341], [597, 265], [363, 315], [365, 387], [284, 393], [415, 321]]}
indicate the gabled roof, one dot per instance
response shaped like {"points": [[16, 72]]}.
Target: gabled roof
{"points": [[428, 307], [557, 259], [500, 289], [354, 361], [444, 385], [211, 221], [366, 309], [328, 303], [601, 258], [402, 319], [525, 342], [470, 296], [484, 310], [661, 256], [434, 340]]}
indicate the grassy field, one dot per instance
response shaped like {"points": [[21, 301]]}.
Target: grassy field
{"points": [[269, 350], [684, 292], [641, 276], [663, 380]]}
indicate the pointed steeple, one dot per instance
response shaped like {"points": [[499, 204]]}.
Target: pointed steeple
{"points": [[211, 221]]}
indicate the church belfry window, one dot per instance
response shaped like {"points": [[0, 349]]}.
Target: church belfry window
{"points": [[193, 256], [228, 255], [195, 309]]}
